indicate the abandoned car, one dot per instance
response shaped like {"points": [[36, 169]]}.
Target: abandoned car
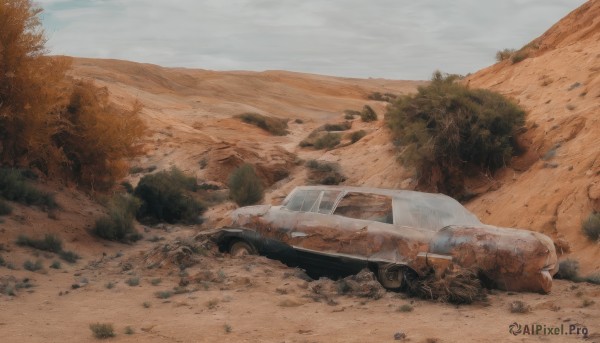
{"points": [[398, 234]]}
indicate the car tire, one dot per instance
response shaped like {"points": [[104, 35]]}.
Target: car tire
{"points": [[390, 276], [241, 248]]}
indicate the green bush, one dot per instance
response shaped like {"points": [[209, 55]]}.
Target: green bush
{"points": [[245, 187], [118, 224], [357, 135], [328, 141], [14, 187], [505, 54], [276, 126], [447, 130], [5, 208], [368, 114], [167, 197], [591, 226]]}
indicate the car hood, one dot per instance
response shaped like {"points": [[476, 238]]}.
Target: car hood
{"points": [[513, 259]]}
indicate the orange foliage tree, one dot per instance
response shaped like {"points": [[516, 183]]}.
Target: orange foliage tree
{"points": [[32, 88], [51, 122], [98, 136]]}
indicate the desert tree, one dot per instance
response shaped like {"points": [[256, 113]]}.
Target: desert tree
{"points": [[98, 136], [32, 89]]}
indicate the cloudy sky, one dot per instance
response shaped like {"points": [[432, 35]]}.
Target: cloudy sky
{"points": [[397, 39]]}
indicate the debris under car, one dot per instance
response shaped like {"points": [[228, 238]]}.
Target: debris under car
{"points": [[410, 240]]}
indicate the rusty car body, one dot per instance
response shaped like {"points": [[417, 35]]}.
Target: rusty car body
{"points": [[396, 233]]}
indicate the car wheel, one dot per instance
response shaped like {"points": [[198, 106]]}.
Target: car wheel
{"points": [[391, 276], [241, 248]]}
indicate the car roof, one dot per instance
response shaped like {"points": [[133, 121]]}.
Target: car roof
{"points": [[419, 209], [393, 193]]}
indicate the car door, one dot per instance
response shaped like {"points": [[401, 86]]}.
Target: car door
{"points": [[334, 235]]}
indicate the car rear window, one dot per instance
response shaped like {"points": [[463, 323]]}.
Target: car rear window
{"points": [[366, 206]]}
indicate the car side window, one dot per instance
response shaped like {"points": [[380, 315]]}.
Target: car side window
{"points": [[327, 201], [366, 206], [303, 201]]}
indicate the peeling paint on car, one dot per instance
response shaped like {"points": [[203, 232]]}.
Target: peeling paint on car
{"points": [[443, 233]]}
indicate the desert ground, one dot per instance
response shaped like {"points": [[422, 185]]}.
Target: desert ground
{"points": [[550, 188]]}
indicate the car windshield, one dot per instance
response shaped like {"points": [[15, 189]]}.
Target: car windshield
{"points": [[431, 211]]}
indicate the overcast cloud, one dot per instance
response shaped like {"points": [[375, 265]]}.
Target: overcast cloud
{"points": [[396, 39]]}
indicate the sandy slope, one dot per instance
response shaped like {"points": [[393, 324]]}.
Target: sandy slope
{"points": [[557, 183], [190, 115]]}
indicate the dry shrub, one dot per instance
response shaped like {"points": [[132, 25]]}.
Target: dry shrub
{"points": [[102, 331], [505, 54], [357, 135], [33, 266], [591, 226], [568, 270], [368, 114], [324, 173], [5, 208], [347, 125], [14, 187], [461, 286], [350, 114], [387, 97], [519, 306], [245, 187], [50, 242], [364, 285], [328, 141], [519, 56], [276, 126], [323, 138], [118, 224], [593, 278]]}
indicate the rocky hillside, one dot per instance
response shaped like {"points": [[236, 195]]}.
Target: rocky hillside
{"points": [[191, 117], [555, 185], [550, 188]]}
